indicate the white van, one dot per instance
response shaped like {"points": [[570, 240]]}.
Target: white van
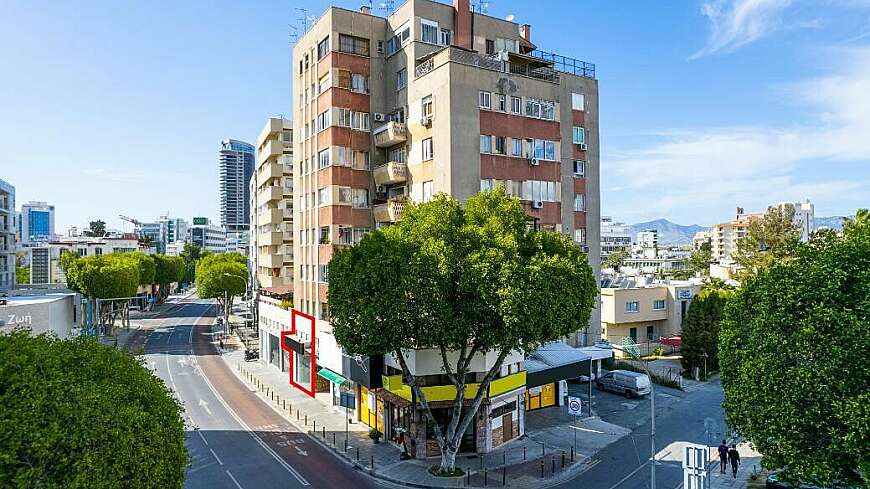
{"points": [[624, 382]]}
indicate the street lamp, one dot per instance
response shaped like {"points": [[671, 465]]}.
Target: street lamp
{"points": [[652, 399], [227, 301]]}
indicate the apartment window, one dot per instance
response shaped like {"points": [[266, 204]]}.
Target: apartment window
{"points": [[428, 150], [360, 198], [659, 305], [533, 108], [578, 101], [322, 120], [485, 144], [548, 110], [324, 83], [580, 236], [516, 105], [353, 45], [502, 102], [428, 106], [485, 100], [360, 160], [500, 145], [359, 83], [324, 311], [579, 168], [509, 45], [490, 46], [429, 31], [486, 184], [401, 78], [324, 235], [427, 191], [323, 273], [345, 79], [324, 196], [541, 190], [632, 333], [360, 121], [399, 40], [632, 306], [544, 150], [540, 109], [445, 37], [398, 115], [516, 147], [579, 202], [323, 158], [397, 154], [579, 135], [323, 48]]}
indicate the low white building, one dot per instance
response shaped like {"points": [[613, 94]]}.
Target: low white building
{"points": [[44, 259], [54, 313]]}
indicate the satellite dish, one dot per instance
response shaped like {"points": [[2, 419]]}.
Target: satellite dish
{"points": [[509, 18]]}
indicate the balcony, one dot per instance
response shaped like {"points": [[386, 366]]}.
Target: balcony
{"points": [[536, 64], [273, 238], [269, 171], [270, 260], [271, 216], [270, 150], [390, 134], [389, 212], [390, 173], [270, 193]]}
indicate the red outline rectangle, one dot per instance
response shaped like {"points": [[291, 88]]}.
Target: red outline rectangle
{"points": [[293, 314]]}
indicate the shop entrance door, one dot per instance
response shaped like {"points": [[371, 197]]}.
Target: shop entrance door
{"points": [[507, 426]]}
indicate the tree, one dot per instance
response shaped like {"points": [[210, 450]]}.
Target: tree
{"points": [[699, 260], [463, 281], [22, 275], [146, 241], [700, 330], [616, 259], [169, 269], [768, 239], [103, 277], [793, 355], [222, 276], [862, 218], [78, 414], [191, 254], [146, 264], [96, 229]]}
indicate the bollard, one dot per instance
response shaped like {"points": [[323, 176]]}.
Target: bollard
{"points": [[563, 459], [543, 451], [542, 468], [572, 454], [345, 445], [468, 473], [315, 426], [333, 438], [373, 462], [484, 477], [324, 433], [553, 459], [284, 404], [357, 454], [524, 454], [306, 420], [504, 475], [504, 457]]}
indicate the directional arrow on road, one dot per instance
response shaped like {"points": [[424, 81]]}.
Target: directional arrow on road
{"points": [[301, 451], [204, 405]]}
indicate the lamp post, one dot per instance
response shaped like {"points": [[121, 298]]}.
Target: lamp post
{"points": [[227, 301], [652, 399]]}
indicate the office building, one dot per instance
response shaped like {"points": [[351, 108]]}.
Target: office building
{"points": [[164, 231], [7, 236], [207, 235], [36, 223], [615, 236], [235, 167], [433, 98]]}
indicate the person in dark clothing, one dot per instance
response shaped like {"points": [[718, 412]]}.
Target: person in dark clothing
{"points": [[723, 456], [734, 458]]}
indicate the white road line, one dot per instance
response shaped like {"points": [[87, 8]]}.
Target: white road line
{"points": [[202, 436], [234, 480], [256, 437], [215, 456], [171, 380]]}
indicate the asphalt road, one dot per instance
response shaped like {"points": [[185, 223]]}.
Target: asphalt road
{"points": [[695, 417], [234, 439]]}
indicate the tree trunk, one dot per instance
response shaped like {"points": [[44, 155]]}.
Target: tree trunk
{"points": [[448, 459]]}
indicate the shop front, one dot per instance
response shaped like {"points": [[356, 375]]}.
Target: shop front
{"points": [[548, 369]]}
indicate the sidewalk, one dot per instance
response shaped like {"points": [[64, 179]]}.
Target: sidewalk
{"points": [[516, 464], [750, 462]]}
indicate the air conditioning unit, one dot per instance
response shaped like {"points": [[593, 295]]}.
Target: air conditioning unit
{"points": [[380, 47], [582, 146], [534, 162], [537, 204], [426, 121], [379, 117], [381, 189]]}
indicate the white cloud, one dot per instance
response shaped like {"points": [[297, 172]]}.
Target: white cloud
{"points": [[711, 169], [735, 23]]}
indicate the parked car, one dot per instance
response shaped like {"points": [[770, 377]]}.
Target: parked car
{"points": [[625, 382]]}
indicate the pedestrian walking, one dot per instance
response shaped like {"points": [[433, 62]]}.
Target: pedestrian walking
{"points": [[723, 456], [734, 458]]}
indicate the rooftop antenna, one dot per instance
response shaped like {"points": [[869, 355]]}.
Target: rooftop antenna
{"points": [[304, 18], [481, 7], [294, 35]]}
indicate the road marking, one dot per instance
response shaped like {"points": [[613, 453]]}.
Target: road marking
{"points": [[171, 380], [629, 475], [301, 451], [215, 456], [256, 437], [586, 429], [202, 436], [234, 480], [203, 404]]}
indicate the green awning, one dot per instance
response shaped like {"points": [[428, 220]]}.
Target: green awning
{"points": [[331, 376]]}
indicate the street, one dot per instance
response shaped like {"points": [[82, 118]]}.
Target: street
{"points": [[234, 439]]}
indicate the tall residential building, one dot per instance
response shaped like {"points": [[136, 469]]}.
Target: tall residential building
{"points": [[164, 231], [804, 217], [724, 236], [701, 238], [7, 236], [207, 235], [235, 167], [615, 236], [37, 223], [272, 209], [433, 98]]}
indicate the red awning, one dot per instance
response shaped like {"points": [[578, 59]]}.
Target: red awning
{"points": [[673, 341]]}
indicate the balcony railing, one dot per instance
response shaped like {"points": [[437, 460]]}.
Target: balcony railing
{"points": [[390, 173], [556, 64], [566, 64], [390, 134], [389, 212]]}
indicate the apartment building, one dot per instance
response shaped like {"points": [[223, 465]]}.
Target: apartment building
{"points": [[724, 236], [235, 167], [700, 239], [7, 236], [36, 223], [164, 231], [615, 236], [272, 209], [433, 98], [645, 314], [44, 259], [804, 217]]}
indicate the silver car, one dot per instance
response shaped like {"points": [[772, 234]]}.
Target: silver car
{"points": [[625, 382]]}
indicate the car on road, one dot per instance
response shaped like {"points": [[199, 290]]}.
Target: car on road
{"points": [[630, 384]]}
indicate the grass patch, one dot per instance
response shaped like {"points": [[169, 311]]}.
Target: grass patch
{"points": [[437, 472]]}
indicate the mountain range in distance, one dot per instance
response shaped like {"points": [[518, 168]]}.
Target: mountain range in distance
{"points": [[673, 234]]}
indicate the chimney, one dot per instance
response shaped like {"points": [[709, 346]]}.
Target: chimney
{"points": [[526, 32], [462, 23], [365, 9]]}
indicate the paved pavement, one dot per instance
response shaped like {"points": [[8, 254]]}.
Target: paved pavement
{"points": [[750, 462], [234, 439]]}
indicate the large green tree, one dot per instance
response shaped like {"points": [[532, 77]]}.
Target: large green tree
{"points": [[96, 229], [191, 254], [22, 275], [700, 330], [110, 276], [768, 240], [616, 259], [793, 355], [222, 276], [169, 269], [462, 281], [699, 260], [78, 414]]}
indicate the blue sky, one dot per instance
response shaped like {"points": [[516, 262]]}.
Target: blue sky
{"points": [[113, 108]]}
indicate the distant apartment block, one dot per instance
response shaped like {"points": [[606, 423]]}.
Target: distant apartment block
{"points": [[7, 236], [164, 231], [701, 238], [37, 223], [272, 209], [615, 236], [235, 167], [724, 236]]}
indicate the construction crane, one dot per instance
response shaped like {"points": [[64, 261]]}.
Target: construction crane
{"points": [[135, 222]]}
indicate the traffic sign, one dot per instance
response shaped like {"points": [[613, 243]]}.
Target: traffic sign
{"points": [[695, 461], [575, 406]]}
